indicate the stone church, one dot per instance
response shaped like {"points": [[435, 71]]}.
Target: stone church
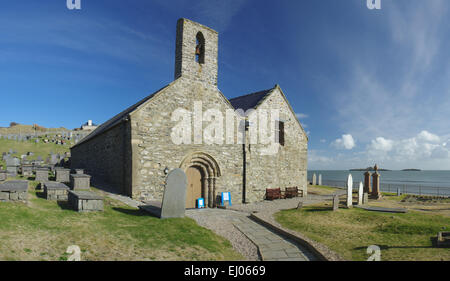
{"points": [[134, 151]]}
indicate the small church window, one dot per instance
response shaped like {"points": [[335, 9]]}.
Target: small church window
{"points": [[200, 49], [280, 130]]}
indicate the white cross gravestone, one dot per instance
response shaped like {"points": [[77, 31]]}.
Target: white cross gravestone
{"points": [[314, 179], [349, 191], [320, 179], [360, 193]]}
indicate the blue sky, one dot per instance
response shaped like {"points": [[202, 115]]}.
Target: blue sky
{"points": [[370, 86]]}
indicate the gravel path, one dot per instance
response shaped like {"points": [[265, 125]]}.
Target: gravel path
{"points": [[222, 223]]}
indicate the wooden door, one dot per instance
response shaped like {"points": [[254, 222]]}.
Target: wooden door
{"points": [[194, 186]]}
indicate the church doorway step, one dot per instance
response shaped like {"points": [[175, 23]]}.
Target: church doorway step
{"points": [[194, 186]]}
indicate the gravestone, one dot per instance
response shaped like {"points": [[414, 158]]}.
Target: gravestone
{"points": [[62, 175], [27, 170], [41, 174], [350, 191], [320, 179], [174, 198], [14, 191], [12, 170], [376, 194], [335, 203], [314, 179], [78, 181], [399, 192], [56, 191], [365, 198], [360, 193], [85, 201], [367, 188]]}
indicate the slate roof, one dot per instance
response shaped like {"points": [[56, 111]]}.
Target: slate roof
{"points": [[118, 118], [249, 101]]}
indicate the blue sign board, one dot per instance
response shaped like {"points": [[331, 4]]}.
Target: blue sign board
{"points": [[226, 197], [200, 203]]}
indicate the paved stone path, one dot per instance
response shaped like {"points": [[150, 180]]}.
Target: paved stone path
{"points": [[249, 237], [272, 247]]}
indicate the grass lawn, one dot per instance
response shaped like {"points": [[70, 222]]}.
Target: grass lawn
{"points": [[43, 230], [350, 231], [321, 189]]}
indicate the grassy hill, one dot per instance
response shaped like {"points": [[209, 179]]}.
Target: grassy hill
{"points": [[28, 129]]}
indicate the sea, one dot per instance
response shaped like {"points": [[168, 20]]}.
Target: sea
{"points": [[414, 182]]}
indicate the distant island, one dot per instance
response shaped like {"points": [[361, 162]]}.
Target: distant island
{"points": [[368, 169], [371, 169], [414, 170]]}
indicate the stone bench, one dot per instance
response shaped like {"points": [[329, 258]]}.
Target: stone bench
{"points": [[56, 191], [85, 201], [80, 181], [14, 191]]}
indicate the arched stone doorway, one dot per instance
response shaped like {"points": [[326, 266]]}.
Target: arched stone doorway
{"points": [[202, 172]]}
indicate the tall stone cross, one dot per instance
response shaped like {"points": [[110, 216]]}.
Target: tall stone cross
{"points": [[350, 191]]}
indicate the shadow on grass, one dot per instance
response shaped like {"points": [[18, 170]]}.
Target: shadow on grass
{"points": [[132, 212], [318, 209], [386, 247], [64, 205], [40, 195]]}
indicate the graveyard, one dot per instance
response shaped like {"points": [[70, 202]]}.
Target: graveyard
{"points": [[348, 231], [41, 216], [42, 229]]}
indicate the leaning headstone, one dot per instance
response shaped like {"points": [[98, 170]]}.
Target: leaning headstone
{"points": [[360, 193], [335, 203], [314, 179], [349, 191], [320, 179], [174, 199]]}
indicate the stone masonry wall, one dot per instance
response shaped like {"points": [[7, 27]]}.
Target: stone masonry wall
{"points": [[288, 167], [103, 157], [154, 150]]}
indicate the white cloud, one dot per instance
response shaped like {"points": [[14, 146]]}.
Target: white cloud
{"points": [[346, 142], [301, 115], [323, 140], [382, 144], [421, 149], [426, 136]]}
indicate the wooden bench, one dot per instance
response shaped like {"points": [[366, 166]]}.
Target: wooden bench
{"points": [[273, 193], [291, 192]]}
